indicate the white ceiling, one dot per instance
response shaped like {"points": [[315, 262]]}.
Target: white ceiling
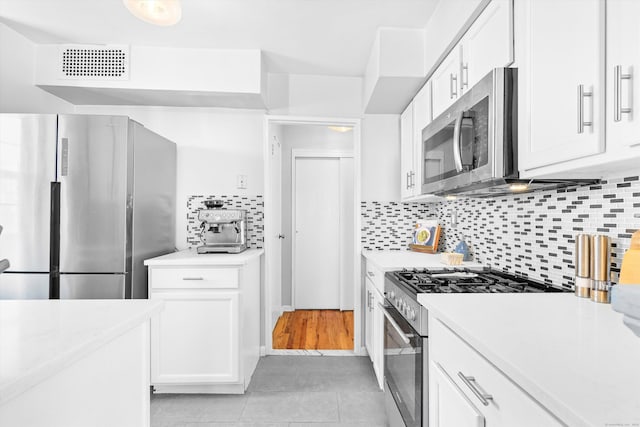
{"points": [[327, 37]]}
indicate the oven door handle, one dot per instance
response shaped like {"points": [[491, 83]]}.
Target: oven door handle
{"points": [[395, 325]]}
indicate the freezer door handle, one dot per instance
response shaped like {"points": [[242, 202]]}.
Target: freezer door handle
{"points": [[64, 157]]}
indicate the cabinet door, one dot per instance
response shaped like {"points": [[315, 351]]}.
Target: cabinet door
{"points": [[368, 320], [378, 337], [623, 63], [406, 152], [488, 44], [559, 121], [421, 118], [445, 82], [195, 339], [448, 406]]}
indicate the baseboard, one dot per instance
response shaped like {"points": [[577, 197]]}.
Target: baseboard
{"points": [[287, 308]]}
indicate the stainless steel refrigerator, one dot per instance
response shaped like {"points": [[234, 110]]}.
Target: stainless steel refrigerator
{"points": [[84, 199]]}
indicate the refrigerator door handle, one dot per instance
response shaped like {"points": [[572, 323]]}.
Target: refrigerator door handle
{"points": [[64, 157], [54, 238]]}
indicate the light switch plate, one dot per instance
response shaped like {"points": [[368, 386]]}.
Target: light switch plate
{"points": [[242, 181]]}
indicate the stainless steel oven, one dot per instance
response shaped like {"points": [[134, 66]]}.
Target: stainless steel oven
{"points": [[405, 377]]}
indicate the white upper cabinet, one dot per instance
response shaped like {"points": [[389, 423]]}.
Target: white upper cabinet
{"points": [[406, 152], [488, 44], [623, 63], [421, 118], [412, 121], [445, 84], [561, 81]]}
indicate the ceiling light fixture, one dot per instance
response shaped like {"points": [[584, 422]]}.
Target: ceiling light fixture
{"points": [[341, 129], [157, 12]]}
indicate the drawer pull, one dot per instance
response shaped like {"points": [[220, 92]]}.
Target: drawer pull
{"points": [[192, 278], [472, 384], [370, 273]]}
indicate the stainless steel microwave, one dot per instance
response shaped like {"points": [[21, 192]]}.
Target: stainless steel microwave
{"points": [[472, 146]]}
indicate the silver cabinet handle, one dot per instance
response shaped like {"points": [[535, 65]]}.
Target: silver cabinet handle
{"points": [[192, 278], [464, 75], [371, 273], [618, 77], [395, 325], [407, 182], [471, 383], [413, 179], [453, 86], [581, 96]]}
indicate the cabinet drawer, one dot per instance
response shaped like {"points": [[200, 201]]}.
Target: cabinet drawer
{"points": [[376, 276], [194, 278], [508, 405]]}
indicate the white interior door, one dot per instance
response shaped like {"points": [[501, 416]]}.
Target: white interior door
{"points": [[316, 273]]}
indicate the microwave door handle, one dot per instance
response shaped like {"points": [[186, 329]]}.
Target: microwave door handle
{"points": [[457, 142]]}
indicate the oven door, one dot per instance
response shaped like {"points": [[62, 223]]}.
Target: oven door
{"points": [[403, 352]]}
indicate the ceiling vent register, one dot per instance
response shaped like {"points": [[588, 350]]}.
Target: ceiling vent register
{"points": [[91, 62]]}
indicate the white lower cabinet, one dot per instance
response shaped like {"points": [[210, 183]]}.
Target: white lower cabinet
{"points": [[184, 349], [450, 407], [466, 389], [374, 329], [207, 338]]}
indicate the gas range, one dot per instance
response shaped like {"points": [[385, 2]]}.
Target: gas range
{"points": [[402, 288], [462, 280]]}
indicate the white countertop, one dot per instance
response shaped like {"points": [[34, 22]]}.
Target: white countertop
{"points": [[38, 338], [191, 257], [573, 356], [395, 260]]}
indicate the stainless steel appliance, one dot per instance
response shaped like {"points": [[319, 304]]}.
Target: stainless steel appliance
{"points": [[471, 149], [222, 230], [406, 331], [601, 268], [84, 200], [583, 281]]}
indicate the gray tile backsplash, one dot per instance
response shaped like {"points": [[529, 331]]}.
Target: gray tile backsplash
{"points": [[530, 234], [254, 205]]}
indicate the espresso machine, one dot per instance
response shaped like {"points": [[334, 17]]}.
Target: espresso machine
{"points": [[222, 230]]}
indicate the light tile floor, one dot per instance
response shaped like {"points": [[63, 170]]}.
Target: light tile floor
{"points": [[285, 391]]}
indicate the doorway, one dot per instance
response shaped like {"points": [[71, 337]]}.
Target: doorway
{"points": [[311, 235]]}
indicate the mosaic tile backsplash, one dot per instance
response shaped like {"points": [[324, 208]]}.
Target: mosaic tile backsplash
{"points": [[530, 234], [254, 205], [388, 225]]}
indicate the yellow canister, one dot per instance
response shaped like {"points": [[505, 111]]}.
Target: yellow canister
{"points": [[630, 270]]}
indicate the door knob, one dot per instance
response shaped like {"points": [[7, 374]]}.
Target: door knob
{"points": [[280, 236]]}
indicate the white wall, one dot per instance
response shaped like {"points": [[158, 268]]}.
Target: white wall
{"points": [[214, 146], [380, 158], [17, 91], [301, 137], [308, 95]]}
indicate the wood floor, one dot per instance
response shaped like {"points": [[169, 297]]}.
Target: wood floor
{"points": [[314, 330]]}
